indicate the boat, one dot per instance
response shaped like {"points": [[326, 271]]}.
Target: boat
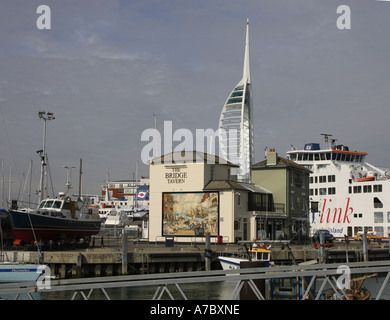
{"points": [[356, 291], [122, 211], [10, 272], [117, 219], [347, 195], [61, 219], [294, 289], [58, 219], [258, 252], [371, 178]]}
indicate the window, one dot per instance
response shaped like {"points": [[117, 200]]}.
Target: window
{"points": [[212, 173], [367, 189], [377, 188], [237, 94], [357, 189], [377, 203], [322, 191], [332, 178], [388, 216], [379, 231], [298, 180], [331, 190], [57, 204], [378, 217], [234, 100], [357, 230]]}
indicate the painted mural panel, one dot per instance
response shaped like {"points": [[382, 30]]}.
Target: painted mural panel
{"points": [[183, 212]]}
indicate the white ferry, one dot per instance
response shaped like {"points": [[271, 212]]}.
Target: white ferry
{"points": [[348, 196]]}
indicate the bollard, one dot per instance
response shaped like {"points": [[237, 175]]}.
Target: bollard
{"points": [[322, 247], [208, 252], [124, 252], [365, 246], [79, 265]]}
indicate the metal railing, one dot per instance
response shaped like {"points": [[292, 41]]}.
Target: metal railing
{"points": [[322, 274]]}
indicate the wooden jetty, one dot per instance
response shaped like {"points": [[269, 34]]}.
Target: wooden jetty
{"points": [[144, 258]]}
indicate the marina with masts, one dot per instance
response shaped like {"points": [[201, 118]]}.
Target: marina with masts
{"points": [[199, 212]]}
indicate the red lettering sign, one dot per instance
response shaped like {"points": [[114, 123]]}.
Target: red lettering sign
{"points": [[337, 212]]}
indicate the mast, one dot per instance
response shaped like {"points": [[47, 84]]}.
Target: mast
{"points": [[81, 172], [42, 153]]}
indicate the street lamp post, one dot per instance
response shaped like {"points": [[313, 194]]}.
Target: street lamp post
{"points": [[44, 116], [69, 179]]}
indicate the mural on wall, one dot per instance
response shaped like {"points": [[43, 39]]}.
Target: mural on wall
{"points": [[184, 213]]}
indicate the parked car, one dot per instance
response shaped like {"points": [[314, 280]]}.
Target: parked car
{"points": [[328, 237]]}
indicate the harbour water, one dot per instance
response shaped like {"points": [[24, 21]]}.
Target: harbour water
{"points": [[204, 291]]}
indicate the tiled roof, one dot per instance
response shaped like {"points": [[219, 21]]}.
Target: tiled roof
{"points": [[191, 157], [281, 163], [231, 184]]}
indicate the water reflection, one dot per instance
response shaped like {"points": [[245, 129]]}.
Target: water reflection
{"points": [[198, 291]]}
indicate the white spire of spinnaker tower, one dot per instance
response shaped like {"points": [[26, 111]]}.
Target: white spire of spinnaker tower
{"points": [[235, 122]]}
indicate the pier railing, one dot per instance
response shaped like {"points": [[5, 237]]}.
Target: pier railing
{"points": [[170, 284]]}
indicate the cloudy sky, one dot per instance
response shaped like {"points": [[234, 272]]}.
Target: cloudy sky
{"points": [[107, 66]]}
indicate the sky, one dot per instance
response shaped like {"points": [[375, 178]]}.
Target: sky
{"points": [[106, 67]]}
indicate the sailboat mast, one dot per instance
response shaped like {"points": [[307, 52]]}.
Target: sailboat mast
{"points": [[81, 172]]}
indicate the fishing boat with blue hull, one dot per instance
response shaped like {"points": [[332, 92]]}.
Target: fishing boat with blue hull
{"points": [[10, 272], [59, 219], [3, 214]]}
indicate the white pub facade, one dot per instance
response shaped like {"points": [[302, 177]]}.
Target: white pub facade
{"points": [[195, 194]]}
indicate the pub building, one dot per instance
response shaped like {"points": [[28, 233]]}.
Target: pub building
{"points": [[193, 193]]}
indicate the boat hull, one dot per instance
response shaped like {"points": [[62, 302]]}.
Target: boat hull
{"points": [[229, 263], [20, 272], [46, 228]]}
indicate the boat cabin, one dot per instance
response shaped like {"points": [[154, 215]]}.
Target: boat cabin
{"points": [[313, 152], [62, 207], [260, 254]]}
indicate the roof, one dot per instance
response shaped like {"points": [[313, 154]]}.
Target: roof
{"points": [[281, 163], [234, 185], [191, 157]]}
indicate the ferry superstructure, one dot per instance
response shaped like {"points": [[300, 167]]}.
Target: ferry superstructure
{"points": [[348, 196]]}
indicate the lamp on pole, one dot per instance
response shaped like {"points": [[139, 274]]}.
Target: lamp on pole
{"points": [[69, 179], [42, 153]]}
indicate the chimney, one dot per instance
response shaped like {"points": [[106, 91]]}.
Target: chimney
{"points": [[272, 157]]}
